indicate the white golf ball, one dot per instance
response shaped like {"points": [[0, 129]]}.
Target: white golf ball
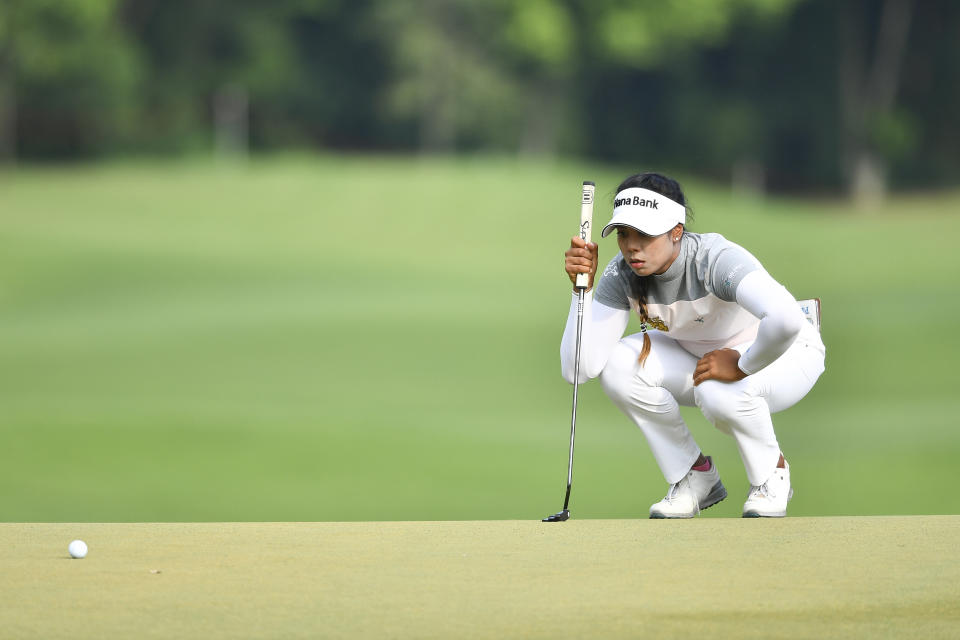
{"points": [[78, 549]]}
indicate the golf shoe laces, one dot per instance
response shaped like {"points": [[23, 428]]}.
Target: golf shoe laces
{"points": [[763, 490]]}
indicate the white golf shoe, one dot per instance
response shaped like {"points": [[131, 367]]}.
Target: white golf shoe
{"points": [[770, 499], [695, 492]]}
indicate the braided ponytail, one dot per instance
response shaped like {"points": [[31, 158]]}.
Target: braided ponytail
{"points": [[641, 293]]}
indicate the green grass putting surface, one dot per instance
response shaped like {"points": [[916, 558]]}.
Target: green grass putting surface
{"points": [[796, 577]]}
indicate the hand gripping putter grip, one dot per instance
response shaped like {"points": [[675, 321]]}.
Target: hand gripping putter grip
{"points": [[582, 282]]}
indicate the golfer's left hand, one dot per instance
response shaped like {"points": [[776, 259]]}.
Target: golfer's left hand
{"points": [[719, 365]]}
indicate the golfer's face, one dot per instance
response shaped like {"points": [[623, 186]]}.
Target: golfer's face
{"points": [[645, 254]]}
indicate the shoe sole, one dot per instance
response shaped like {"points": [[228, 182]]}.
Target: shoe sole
{"points": [[660, 516], [717, 494]]}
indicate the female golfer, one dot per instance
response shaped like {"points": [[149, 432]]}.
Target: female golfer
{"points": [[716, 331]]}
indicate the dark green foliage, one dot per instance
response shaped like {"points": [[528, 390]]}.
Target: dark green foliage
{"points": [[787, 87]]}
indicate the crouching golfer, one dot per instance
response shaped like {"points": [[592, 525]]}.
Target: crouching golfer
{"points": [[717, 331]]}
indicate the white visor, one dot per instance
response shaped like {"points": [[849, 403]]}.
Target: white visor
{"points": [[646, 211]]}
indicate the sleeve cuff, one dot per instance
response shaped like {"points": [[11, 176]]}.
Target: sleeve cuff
{"points": [[742, 366]]}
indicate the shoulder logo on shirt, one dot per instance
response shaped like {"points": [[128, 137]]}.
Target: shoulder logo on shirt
{"points": [[611, 270], [728, 281]]}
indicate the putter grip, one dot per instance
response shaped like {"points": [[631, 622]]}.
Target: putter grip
{"points": [[586, 221]]}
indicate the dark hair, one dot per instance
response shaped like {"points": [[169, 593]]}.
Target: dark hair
{"points": [[667, 187]]}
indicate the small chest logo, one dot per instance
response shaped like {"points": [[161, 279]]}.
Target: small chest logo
{"points": [[611, 270], [658, 324]]}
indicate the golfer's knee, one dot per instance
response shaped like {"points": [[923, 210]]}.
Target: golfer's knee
{"points": [[617, 377], [722, 402]]}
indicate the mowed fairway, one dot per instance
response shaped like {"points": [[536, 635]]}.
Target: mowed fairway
{"points": [[839, 577], [356, 338]]}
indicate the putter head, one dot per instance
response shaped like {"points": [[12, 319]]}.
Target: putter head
{"points": [[558, 517]]}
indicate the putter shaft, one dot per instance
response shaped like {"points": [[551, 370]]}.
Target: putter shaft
{"points": [[576, 385], [565, 513]]}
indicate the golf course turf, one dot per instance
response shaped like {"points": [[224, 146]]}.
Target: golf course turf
{"points": [[343, 339], [796, 577]]}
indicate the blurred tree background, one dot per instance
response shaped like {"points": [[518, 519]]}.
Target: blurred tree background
{"points": [[782, 95]]}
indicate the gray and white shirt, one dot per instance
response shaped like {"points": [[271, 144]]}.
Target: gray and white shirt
{"points": [[695, 300], [714, 295]]}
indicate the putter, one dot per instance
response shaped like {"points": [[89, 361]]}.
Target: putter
{"points": [[583, 281]]}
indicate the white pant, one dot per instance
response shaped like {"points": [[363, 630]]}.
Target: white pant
{"points": [[651, 395]]}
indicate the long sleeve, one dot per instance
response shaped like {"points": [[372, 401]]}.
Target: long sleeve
{"points": [[603, 327], [780, 319]]}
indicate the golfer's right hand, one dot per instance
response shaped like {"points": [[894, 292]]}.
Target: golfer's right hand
{"points": [[581, 257]]}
